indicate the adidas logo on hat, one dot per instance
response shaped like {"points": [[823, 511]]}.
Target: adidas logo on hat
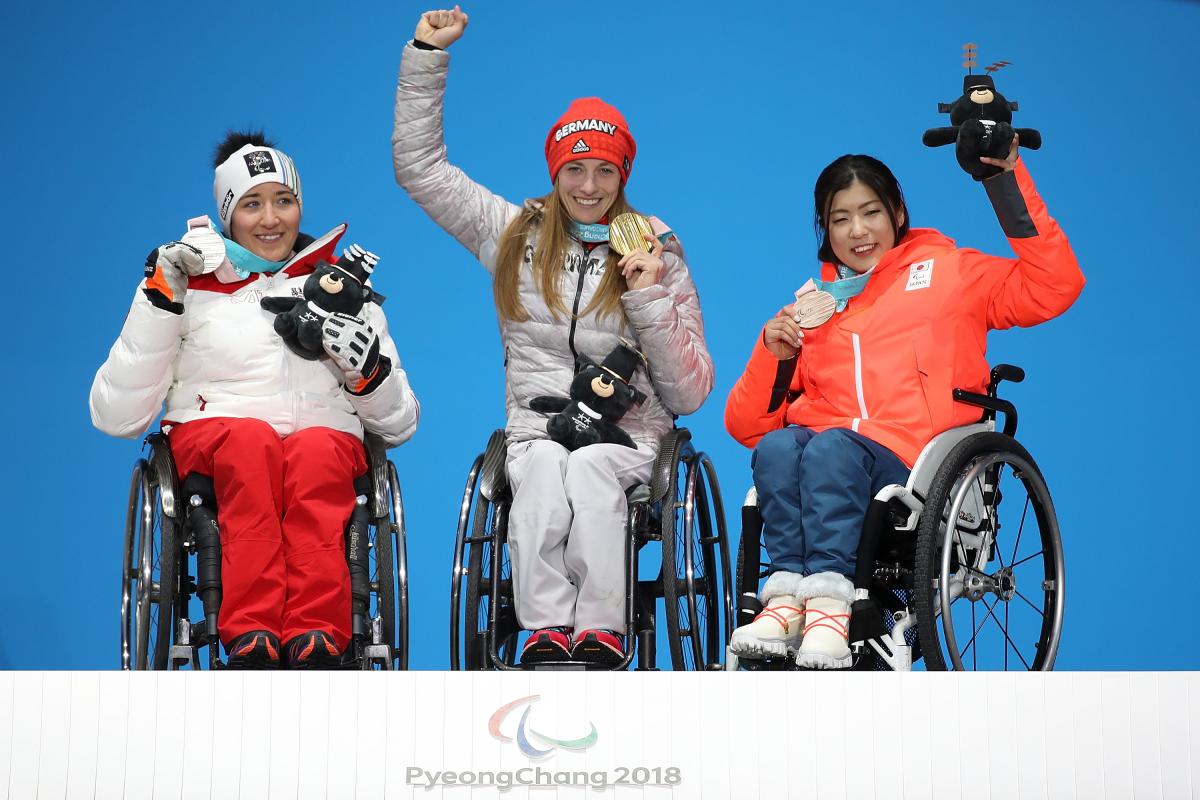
{"points": [[581, 147]]}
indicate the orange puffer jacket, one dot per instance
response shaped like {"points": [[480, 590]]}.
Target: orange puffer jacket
{"points": [[886, 365]]}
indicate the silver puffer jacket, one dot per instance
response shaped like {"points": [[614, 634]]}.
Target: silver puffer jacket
{"points": [[664, 320]]}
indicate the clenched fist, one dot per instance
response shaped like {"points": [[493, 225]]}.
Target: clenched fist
{"points": [[441, 28]]}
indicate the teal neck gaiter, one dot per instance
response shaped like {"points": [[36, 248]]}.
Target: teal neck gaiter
{"points": [[244, 262]]}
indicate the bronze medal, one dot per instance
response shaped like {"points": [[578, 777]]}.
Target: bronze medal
{"points": [[625, 233], [814, 309]]}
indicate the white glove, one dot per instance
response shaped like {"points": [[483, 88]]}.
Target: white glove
{"points": [[167, 269], [353, 345]]}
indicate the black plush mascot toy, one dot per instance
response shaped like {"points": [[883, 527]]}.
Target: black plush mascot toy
{"points": [[330, 289], [600, 396], [981, 122]]}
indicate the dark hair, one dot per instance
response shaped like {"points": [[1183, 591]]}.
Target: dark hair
{"points": [[236, 140], [870, 172]]}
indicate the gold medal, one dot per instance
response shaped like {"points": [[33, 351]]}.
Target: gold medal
{"points": [[626, 232], [813, 309]]}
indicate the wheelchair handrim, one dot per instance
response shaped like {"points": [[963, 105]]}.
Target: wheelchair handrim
{"points": [[1051, 628]]}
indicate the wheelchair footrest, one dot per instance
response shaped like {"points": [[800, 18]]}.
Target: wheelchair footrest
{"points": [[377, 654]]}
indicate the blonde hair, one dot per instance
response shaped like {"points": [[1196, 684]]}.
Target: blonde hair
{"points": [[553, 243]]}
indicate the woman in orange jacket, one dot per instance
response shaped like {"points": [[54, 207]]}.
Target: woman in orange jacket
{"points": [[838, 411]]}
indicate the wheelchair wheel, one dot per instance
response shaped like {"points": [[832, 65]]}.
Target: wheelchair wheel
{"points": [[470, 590], [389, 577], [989, 590], [695, 569], [488, 556], [150, 583]]}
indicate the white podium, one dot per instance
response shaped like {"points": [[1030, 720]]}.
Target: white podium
{"points": [[570, 735]]}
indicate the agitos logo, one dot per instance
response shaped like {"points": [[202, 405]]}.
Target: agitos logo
{"points": [[525, 733]]}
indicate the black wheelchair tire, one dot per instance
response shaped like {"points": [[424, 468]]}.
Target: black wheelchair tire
{"points": [[976, 449], [694, 630], [474, 631], [384, 579], [156, 561]]}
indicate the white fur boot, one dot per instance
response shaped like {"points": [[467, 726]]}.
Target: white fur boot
{"points": [[827, 597], [777, 629]]}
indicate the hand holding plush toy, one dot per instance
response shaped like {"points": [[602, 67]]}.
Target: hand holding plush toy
{"points": [[600, 396], [980, 123], [339, 288]]}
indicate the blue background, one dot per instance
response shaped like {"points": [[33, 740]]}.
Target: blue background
{"points": [[113, 111]]}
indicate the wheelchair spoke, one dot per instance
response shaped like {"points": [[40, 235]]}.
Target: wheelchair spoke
{"points": [[1021, 527], [975, 633], [1006, 628], [1030, 604], [975, 653], [1008, 640], [1016, 564]]}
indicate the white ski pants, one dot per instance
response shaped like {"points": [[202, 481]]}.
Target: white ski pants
{"points": [[566, 531]]}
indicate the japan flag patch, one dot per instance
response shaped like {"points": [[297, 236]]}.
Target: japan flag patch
{"points": [[920, 275]]}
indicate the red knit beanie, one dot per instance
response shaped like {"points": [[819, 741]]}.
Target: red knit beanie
{"points": [[590, 128]]}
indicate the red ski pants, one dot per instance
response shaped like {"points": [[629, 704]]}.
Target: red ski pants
{"points": [[283, 505]]}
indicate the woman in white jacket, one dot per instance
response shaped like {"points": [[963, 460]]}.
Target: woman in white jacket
{"points": [[280, 435], [561, 294]]}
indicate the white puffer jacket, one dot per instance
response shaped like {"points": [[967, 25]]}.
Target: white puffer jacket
{"points": [[664, 319], [223, 358]]}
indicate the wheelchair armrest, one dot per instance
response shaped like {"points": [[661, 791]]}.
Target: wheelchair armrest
{"points": [[163, 464], [1005, 372], [494, 480], [670, 448], [992, 405], [377, 468]]}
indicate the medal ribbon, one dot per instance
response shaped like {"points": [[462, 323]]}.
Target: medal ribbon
{"points": [[849, 284], [595, 233]]}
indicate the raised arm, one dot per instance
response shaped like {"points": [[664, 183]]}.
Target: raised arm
{"points": [[670, 330], [1044, 279], [466, 210]]}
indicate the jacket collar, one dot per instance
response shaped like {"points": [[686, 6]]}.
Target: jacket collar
{"points": [[305, 261]]}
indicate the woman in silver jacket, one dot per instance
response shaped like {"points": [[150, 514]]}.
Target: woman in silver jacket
{"points": [[561, 294]]}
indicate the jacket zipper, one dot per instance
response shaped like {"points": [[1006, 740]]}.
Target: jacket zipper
{"points": [[575, 307], [858, 384]]}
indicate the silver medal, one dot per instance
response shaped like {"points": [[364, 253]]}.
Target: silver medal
{"points": [[208, 242]]}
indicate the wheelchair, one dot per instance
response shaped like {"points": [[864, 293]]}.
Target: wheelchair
{"points": [[941, 573], [172, 554], [680, 508]]}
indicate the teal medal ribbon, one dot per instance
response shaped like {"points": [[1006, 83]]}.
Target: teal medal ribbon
{"points": [[849, 284], [596, 233], [244, 262], [593, 233]]}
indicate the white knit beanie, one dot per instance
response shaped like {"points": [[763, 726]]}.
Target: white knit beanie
{"points": [[249, 166]]}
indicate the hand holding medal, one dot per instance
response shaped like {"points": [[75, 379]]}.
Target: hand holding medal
{"points": [[632, 236]]}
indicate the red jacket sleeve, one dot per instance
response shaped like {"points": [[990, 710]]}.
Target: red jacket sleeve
{"points": [[1044, 279], [758, 402]]}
